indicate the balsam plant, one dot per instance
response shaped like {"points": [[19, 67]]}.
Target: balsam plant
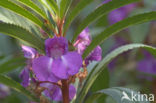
{"points": [[56, 67]]}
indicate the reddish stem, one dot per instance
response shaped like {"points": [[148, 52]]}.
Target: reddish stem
{"points": [[50, 83], [60, 23], [65, 91]]}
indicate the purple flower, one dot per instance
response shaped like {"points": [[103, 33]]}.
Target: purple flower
{"points": [[59, 63], [54, 92], [4, 91], [95, 55], [42, 69], [83, 40], [81, 44], [120, 13], [29, 52], [117, 15], [148, 64], [24, 75]]}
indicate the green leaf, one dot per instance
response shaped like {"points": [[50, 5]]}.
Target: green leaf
{"points": [[51, 5], [21, 34], [13, 98], [117, 94], [77, 9], [40, 5], [99, 12], [94, 74], [92, 98], [141, 18], [20, 11], [64, 6], [12, 64], [142, 29], [34, 7], [10, 46], [15, 85], [101, 82], [12, 18]]}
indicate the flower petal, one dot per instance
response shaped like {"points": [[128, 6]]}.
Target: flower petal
{"points": [[42, 68], [24, 75], [85, 35], [117, 15], [4, 91], [83, 40], [81, 47], [29, 52], [72, 92], [73, 62], [67, 65], [59, 69], [96, 54], [54, 92], [147, 66], [56, 47]]}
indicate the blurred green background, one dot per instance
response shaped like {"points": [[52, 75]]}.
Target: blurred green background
{"points": [[124, 71]]}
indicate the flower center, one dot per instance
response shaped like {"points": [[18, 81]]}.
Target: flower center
{"points": [[56, 51]]}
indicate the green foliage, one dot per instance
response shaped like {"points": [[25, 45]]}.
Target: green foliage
{"points": [[141, 18], [100, 83], [34, 7], [99, 12], [18, 87], [64, 6], [21, 34], [7, 45], [117, 93], [51, 6], [15, 97], [22, 23], [12, 64], [21, 11], [77, 9], [12, 18], [142, 29], [96, 71]]}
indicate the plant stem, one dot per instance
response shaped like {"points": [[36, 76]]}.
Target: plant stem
{"points": [[65, 91]]}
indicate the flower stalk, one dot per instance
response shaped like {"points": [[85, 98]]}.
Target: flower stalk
{"points": [[65, 91]]}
